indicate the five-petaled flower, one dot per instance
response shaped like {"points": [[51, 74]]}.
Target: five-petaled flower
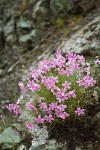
{"points": [[80, 111]]}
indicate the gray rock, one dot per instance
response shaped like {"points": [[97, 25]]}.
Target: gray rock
{"points": [[9, 28], [85, 40], [40, 10], [25, 37], [40, 138], [33, 37], [21, 147], [1, 25], [9, 138], [78, 148], [61, 7], [24, 24], [11, 38], [1, 71]]}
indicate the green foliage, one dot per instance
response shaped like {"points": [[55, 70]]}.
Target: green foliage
{"points": [[59, 22]]}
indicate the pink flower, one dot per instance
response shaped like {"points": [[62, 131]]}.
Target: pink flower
{"points": [[33, 86], [22, 88], [69, 71], [71, 94], [75, 67], [87, 81], [61, 94], [14, 108], [31, 107], [80, 82], [39, 119], [29, 125], [43, 106], [71, 57], [66, 85], [81, 59], [49, 118], [48, 110], [61, 71], [80, 111], [34, 74], [53, 105], [61, 107], [62, 115]]}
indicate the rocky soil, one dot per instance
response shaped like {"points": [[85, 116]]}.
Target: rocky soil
{"points": [[32, 31]]}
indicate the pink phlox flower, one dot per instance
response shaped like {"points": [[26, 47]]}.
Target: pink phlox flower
{"points": [[43, 106], [39, 119], [53, 105], [61, 107], [75, 66], [30, 106], [39, 72], [50, 83], [43, 79], [66, 85], [97, 62], [58, 54], [62, 95], [60, 63], [80, 82], [88, 81], [14, 108], [80, 111], [52, 88], [53, 63], [81, 59], [61, 71], [34, 75], [22, 88], [69, 71], [54, 79], [45, 65], [45, 69], [33, 86], [71, 57], [49, 118], [71, 94], [49, 110], [29, 125], [62, 115]]}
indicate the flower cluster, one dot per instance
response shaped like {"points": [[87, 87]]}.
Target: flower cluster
{"points": [[14, 108], [59, 87]]}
